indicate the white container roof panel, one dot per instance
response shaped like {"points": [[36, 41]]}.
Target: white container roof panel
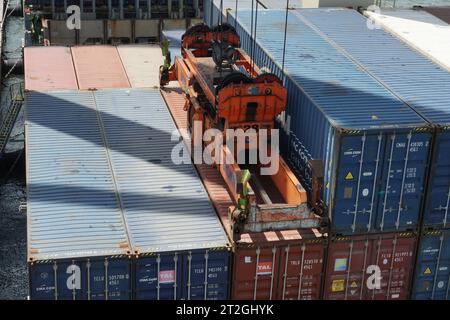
{"points": [[165, 205], [419, 29], [141, 63], [72, 206]]}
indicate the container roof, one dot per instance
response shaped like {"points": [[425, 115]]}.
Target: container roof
{"points": [[348, 96], [418, 81], [101, 180], [165, 205], [141, 63], [49, 68], [72, 206], [99, 67]]}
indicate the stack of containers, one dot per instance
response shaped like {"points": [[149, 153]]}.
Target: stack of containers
{"points": [[374, 147], [425, 86], [110, 216]]}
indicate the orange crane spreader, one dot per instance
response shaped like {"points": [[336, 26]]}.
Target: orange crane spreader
{"points": [[225, 90]]}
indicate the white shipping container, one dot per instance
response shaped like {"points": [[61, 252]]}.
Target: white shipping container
{"points": [[141, 63], [420, 30]]}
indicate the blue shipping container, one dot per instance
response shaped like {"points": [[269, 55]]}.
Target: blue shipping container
{"points": [[375, 149], [182, 276], [432, 278], [419, 82], [100, 278]]}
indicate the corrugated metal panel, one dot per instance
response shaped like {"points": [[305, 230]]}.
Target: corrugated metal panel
{"points": [[89, 278], [368, 139], [351, 262], [99, 67], [165, 205], [297, 285], [415, 79], [72, 206], [49, 68], [141, 63], [442, 13], [186, 275], [282, 265], [432, 278], [419, 29]]}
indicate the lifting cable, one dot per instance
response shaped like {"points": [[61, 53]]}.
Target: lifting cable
{"points": [[220, 14], [251, 31], [254, 37], [236, 14], [285, 33]]}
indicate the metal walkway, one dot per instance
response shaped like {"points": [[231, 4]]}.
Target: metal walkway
{"points": [[16, 98]]}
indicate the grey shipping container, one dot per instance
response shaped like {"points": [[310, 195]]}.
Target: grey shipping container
{"points": [[78, 246], [110, 216], [375, 149], [421, 83]]}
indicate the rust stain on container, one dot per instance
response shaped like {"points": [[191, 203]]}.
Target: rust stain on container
{"points": [[278, 265], [354, 263], [99, 67], [49, 68]]}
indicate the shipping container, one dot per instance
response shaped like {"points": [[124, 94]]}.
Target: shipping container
{"points": [[110, 219], [77, 241], [375, 149], [413, 78], [432, 277], [280, 265], [419, 29], [99, 67], [442, 13], [182, 250], [174, 38], [49, 68], [212, 11], [355, 262], [140, 63]]}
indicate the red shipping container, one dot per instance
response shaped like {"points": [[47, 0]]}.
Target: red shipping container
{"points": [[99, 67], [49, 68], [268, 265], [355, 262], [283, 265]]}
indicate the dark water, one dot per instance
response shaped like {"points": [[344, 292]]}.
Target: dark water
{"points": [[13, 246]]}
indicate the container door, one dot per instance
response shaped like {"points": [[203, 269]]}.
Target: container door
{"points": [[394, 257], [437, 211], [158, 277], [433, 267], [356, 185], [88, 280], [255, 273], [300, 275], [403, 180], [347, 263], [216, 277]]}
